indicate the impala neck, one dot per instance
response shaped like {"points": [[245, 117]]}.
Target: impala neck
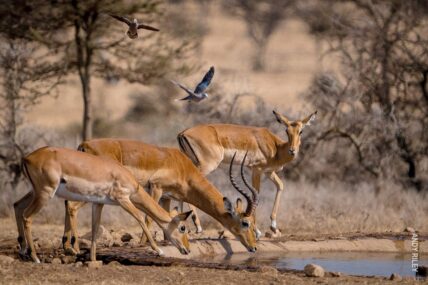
{"points": [[207, 198], [282, 152], [154, 210]]}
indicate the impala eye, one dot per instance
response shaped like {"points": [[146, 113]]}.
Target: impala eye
{"points": [[245, 224], [182, 229], [301, 132]]}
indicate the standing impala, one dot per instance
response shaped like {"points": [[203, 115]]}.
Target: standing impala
{"points": [[171, 173], [75, 175], [209, 145]]}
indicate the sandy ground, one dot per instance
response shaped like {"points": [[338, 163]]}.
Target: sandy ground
{"points": [[156, 270], [29, 273]]}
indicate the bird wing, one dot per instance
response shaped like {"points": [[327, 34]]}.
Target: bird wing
{"points": [[122, 19], [147, 27], [190, 97], [190, 92], [205, 81]]}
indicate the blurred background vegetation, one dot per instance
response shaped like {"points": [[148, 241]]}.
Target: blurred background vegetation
{"points": [[68, 71]]}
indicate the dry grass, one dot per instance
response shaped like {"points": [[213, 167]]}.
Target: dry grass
{"points": [[326, 208]]}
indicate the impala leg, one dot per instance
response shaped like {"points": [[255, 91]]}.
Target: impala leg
{"points": [[96, 219], [165, 203], [19, 208], [33, 208], [279, 189], [156, 193], [70, 241], [256, 184], [131, 209]]}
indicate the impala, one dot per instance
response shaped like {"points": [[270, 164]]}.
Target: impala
{"points": [[172, 174], [79, 176], [209, 145]]}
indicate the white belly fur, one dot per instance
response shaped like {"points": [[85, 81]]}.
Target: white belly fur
{"points": [[99, 198]]}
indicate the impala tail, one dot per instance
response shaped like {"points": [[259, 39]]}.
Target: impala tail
{"points": [[24, 162], [186, 148]]}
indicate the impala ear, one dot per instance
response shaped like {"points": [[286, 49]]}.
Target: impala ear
{"points": [[280, 118], [183, 216], [238, 207], [307, 121], [228, 206]]}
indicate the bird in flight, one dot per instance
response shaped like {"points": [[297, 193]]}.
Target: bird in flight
{"points": [[134, 26], [199, 93]]}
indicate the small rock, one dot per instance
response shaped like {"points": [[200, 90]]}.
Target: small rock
{"points": [[270, 234], [4, 259], [126, 237], [313, 270], [134, 243], [68, 259], [409, 230], [44, 244], [56, 260], [103, 236], [78, 264], [116, 236], [94, 264], [395, 277], [268, 270], [117, 244], [84, 243], [114, 263], [336, 274]]}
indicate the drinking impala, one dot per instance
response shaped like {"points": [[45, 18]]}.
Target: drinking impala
{"points": [[79, 176], [170, 173]]}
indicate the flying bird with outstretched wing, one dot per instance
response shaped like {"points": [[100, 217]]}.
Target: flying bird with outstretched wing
{"points": [[133, 26], [199, 93]]}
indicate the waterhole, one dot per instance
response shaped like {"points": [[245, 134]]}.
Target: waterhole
{"points": [[352, 263]]}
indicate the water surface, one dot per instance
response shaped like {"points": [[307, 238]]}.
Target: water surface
{"points": [[353, 263]]}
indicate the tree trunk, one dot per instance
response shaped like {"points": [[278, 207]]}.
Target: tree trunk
{"points": [[259, 56], [87, 109], [82, 38]]}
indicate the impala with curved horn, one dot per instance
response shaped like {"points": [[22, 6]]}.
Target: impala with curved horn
{"points": [[169, 173], [209, 145], [252, 202]]}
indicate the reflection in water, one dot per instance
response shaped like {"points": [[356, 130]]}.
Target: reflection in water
{"points": [[355, 263]]}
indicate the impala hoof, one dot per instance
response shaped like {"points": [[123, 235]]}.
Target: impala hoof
{"points": [[160, 252], [274, 234], [199, 229]]}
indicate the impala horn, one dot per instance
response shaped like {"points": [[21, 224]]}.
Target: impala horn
{"points": [[250, 187], [251, 202]]}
